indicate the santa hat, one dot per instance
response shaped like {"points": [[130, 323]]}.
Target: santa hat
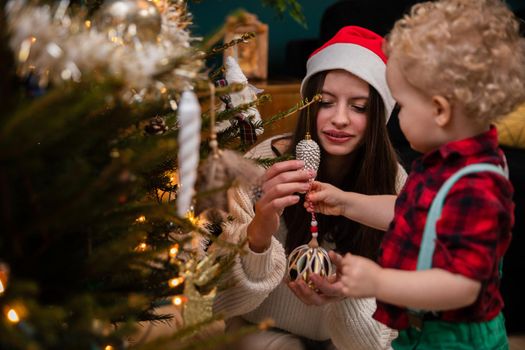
{"points": [[358, 51]]}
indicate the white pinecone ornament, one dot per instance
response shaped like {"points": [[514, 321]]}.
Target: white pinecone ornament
{"points": [[308, 151]]}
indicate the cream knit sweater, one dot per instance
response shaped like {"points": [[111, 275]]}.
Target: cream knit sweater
{"points": [[260, 292]]}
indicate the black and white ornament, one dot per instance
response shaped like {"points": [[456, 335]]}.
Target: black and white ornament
{"points": [[309, 258]]}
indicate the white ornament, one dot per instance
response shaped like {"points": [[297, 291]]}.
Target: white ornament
{"points": [[188, 158], [308, 151], [234, 75]]}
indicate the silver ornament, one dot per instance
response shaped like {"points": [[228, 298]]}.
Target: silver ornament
{"points": [[308, 151], [128, 20]]}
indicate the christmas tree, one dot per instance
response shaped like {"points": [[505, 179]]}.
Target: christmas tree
{"points": [[105, 214]]}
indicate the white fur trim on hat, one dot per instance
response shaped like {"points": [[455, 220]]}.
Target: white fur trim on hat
{"points": [[357, 60]]}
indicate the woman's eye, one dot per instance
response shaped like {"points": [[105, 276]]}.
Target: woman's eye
{"points": [[360, 109], [325, 104]]}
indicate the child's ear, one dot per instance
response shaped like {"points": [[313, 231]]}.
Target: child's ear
{"points": [[442, 110]]}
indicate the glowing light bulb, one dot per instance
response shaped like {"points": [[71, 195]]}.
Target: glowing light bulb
{"points": [[2, 288], [141, 219], [174, 250], [142, 247], [108, 347], [174, 282], [12, 316], [178, 300]]}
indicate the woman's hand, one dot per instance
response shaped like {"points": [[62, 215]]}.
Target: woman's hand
{"points": [[326, 199], [325, 289], [280, 183]]}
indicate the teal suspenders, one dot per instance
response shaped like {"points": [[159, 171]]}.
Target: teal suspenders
{"points": [[428, 241]]}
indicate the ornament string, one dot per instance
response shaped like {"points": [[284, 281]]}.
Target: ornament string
{"points": [[313, 222]]}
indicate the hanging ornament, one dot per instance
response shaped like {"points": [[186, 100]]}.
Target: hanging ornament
{"points": [[188, 158], [222, 169], [308, 150], [129, 20], [156, 126], [199, 288], [309, 258], [248, 119]]}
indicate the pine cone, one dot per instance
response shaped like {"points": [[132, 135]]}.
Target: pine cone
{"points": [[308, 151], [156, 126]]}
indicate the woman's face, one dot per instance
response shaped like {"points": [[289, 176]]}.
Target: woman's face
{"points": [[342, 116]]}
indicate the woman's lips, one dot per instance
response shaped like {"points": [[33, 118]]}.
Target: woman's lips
{"points": [[337, 136]]}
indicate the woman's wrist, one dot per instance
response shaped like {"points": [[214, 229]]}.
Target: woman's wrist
{"points": [[256, 243]]}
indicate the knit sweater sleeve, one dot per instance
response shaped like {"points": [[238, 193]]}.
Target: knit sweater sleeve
{"points": [[253, 275], [351, 326]]}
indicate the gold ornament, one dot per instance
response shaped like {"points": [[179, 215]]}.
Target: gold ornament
{"points": [[198, 307], [308, 259], [128, 20], [198, 304]]}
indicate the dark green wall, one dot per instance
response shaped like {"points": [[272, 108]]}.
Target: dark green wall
{"points": [[209, 15]]}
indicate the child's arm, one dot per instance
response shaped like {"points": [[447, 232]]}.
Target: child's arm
{"points": [[375, 211], [432, 290]]}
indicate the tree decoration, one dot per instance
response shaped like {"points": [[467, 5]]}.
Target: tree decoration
{"points": [[309, 258], [130, 20], [148, 48], [222, 169], [248, 118], [188, 139]]}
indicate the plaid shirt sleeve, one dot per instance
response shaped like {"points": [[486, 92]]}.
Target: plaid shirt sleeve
{"points": [[476, 215]]}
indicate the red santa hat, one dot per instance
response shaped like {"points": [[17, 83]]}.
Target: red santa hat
{"points": [[358, 51]]}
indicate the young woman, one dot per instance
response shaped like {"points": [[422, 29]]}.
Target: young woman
{"points": [[356, 155]]}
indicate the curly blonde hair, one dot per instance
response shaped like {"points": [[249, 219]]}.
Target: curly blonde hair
{"points": [[469, 51]]}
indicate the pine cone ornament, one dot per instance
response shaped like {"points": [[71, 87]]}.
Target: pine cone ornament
{"points": [[308, 151], [156, 126]]}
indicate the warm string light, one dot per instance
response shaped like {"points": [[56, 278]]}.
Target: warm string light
{"points": [[178, 300], [177, 281], [108, 347], [12, 316], [174, 250], [142, 247], [2, 288], [141, 219]]}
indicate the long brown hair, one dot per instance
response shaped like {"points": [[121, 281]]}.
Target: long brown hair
{"points": [[375, 165]]}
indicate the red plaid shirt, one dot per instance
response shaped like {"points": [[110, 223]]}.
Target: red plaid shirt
{"points": [[473, 233]]}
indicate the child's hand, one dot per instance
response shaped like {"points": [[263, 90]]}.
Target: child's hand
{"points": [[326, 199], [360, 276]]}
